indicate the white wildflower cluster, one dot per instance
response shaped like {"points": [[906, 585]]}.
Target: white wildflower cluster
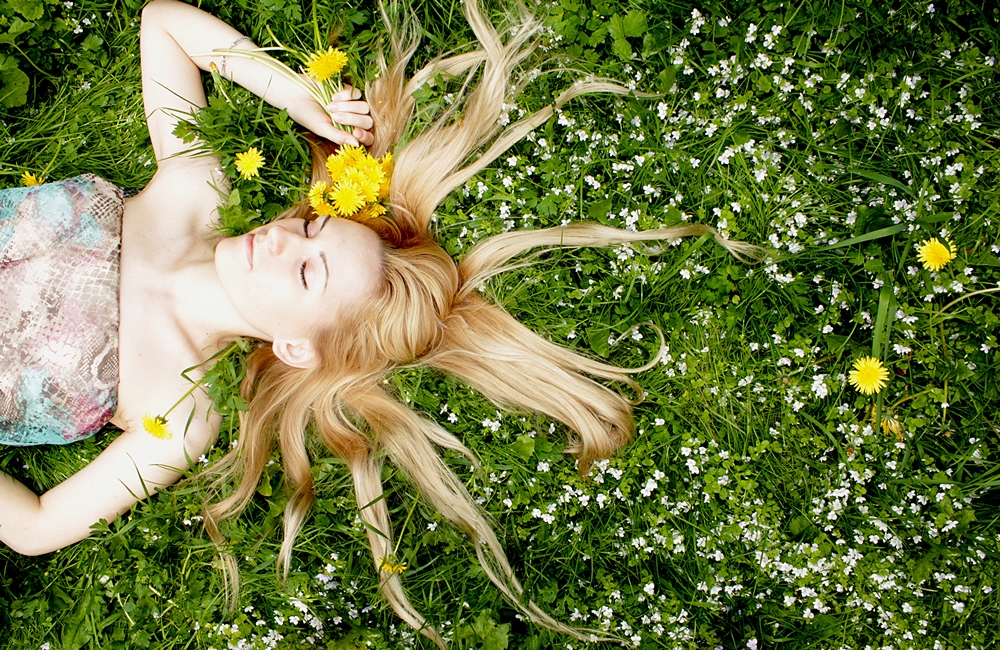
{"points": [[493, 425], [261, 635]]}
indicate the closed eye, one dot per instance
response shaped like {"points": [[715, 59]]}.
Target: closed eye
{"points": [[302, 269]]}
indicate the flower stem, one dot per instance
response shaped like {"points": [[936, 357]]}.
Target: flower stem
{"points": [[196, 384]]}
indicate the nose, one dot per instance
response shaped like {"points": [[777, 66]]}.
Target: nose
{"points": [[278, 239]]}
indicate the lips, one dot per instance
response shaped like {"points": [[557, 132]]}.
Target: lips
{"points": [[250, 239]]}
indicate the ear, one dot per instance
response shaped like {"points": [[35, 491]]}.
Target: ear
{"points": [[297, 353]]}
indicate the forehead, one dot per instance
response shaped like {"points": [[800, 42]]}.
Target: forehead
{"points": [[354, 252], [351, 236]]}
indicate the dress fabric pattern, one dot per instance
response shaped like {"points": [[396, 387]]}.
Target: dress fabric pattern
{"points": [[60, 245]]}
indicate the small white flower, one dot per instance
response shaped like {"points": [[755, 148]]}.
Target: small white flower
{"points": [[819, 387]]}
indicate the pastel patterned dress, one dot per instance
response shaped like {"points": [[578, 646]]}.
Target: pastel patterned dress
{"points": [[60, 246]]}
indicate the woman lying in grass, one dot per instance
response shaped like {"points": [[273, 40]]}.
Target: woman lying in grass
{"points": [[336, 303]]}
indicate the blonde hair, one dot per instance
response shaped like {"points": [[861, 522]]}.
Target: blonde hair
{"points": [[427, 310]]}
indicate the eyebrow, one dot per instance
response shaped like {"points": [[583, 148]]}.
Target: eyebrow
{"points": [[326, 266], [322, 256]]}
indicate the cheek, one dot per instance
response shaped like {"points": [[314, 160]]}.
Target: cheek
{"points": [[226, 262], [234, 250]]}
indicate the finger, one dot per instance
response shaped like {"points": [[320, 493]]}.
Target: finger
{"points": [[353, 93], [353, 119], [335, 135], [342, 96], [364, 137], [341, 137], [349, 93], [340, 133], [313, 117], [349, 107]]}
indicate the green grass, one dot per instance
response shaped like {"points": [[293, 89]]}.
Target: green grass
{"points": [[760, 505]]}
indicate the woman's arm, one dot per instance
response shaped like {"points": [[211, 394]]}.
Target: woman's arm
{"points": [[134, 465], [171, 81]]}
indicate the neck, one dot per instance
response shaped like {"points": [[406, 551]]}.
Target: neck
{"points": [[203, 310]]}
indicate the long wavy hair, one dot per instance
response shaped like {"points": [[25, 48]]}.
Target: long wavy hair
{"points": [[427, 310]]}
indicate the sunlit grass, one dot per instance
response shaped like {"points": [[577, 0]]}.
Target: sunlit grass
{"points": [[765, 502]]}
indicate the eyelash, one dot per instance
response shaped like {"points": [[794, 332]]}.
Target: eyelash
{"points": [[302, 269]]}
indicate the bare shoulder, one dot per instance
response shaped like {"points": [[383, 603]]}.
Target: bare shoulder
{"points": [[181, 199]]}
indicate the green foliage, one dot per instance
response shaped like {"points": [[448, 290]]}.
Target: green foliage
{"points": [[764, 502]]}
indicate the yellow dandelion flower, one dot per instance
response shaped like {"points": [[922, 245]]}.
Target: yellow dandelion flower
{"points": [[934, 254], [317, 193], [366, 162], [352, 154], [324, 209], [387, 565], [369, 190], [347, 198], [156, 426], [891, 425], [318, 199], [373, 176], [336, 165], [373, 211], [30, 180], [323, 65], [249, 163], [868, 376], [372, 169]]}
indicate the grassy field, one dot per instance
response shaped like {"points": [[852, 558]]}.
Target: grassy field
{"points": [[765, 503]]}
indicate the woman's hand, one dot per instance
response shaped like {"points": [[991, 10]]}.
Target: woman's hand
{"points": [[347, 109]]}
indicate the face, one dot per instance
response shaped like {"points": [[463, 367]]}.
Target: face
{"points": [[291, 278]]}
